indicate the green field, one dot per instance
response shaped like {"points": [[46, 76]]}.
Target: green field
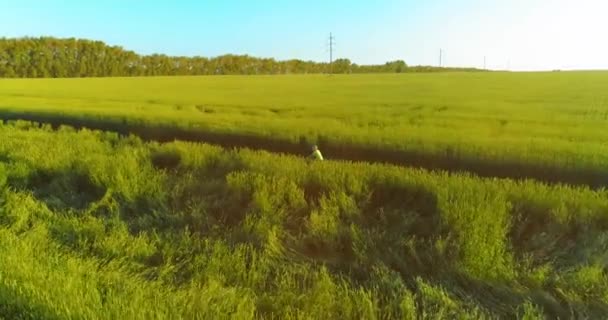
{"points": [[96, 225], [548, 126]]}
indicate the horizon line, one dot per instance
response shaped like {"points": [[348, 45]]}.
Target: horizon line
{"points": [[122, 47]]}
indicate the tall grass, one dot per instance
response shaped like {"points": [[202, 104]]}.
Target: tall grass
{"points": [[97, 226]]}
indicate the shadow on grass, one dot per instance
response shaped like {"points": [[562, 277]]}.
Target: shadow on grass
{"points": [[396, 226], [449, 160], [60, 190], [505, 300], [404, 222], [18, 307]]}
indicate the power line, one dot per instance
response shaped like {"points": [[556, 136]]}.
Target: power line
{"points": [[331, 52]]}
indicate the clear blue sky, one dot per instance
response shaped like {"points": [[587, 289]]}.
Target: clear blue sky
{"points": [[515, 34]]}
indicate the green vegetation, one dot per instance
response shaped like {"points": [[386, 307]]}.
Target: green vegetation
{"points": [[97, 226], [547, 126], [47, 57]]}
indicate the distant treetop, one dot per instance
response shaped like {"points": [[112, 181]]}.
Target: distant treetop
{"points": [[48, 57]]}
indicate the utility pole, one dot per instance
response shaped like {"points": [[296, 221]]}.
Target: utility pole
{"points": [[331, 52], [440, 58], [484, 63]]}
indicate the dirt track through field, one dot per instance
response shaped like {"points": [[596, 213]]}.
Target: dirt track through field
{"points": [[448, 161]]}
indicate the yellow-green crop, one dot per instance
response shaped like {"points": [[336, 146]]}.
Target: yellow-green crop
{"points": [[97, 226], [549, 126]]}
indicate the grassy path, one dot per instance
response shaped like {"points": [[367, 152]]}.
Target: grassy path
{"points": [[448, 161]]}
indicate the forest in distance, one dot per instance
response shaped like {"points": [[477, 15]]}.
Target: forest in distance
{"points": [[48, 57]]}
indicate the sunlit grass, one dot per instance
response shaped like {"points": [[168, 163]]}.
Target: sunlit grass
{"points": [[97, 226], [534, 120]]}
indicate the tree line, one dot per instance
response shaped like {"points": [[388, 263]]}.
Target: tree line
{"points": [[48, 57]]}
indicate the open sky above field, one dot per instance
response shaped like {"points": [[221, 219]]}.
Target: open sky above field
{"points": [[517, 35]]}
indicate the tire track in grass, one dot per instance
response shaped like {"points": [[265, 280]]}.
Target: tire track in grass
{"points": [[591, 177]]}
